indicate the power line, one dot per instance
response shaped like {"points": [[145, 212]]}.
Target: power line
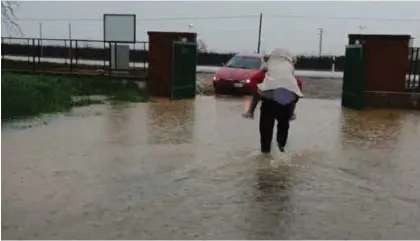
{"points": [[58, 20], [345, 18], [139, 19], [231, 17]]}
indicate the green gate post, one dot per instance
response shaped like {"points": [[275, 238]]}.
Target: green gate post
{"points": [[184, 64], [352, 95]]}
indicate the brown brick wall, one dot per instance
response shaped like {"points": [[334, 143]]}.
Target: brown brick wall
{"points": [[160, 60], [385, 64]]}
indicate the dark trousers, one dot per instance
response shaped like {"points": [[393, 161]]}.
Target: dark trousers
{"points": [[271, 111]]}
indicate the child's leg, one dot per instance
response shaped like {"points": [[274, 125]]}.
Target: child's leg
{"points": [[292, 110], [254, 102], [252, 106]]}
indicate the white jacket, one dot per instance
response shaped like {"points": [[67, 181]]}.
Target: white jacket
{"points": [[280, 73]]}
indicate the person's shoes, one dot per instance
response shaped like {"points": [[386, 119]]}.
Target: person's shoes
{"points": [[265, 151], [281, 149]]}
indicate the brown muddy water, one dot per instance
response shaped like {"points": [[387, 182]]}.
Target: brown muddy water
{"points": [[192, 170]]}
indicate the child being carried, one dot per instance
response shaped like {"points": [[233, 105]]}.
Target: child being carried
{"points": [[256, 79]]}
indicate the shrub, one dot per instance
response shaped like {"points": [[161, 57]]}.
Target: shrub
{"points": [[30, 95]]}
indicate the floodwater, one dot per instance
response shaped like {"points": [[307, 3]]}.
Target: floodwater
{"points": [[192, 170]]}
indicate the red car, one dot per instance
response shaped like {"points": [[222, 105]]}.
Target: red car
{"points": [[235, 75]]}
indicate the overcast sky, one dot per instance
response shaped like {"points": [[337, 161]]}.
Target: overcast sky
{"points": [[300, 34]]}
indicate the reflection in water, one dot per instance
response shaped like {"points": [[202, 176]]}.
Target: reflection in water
{"points": [[171, 122], [272, 182], [371, 128], [376, 131], [118, 118], [271, 214]]}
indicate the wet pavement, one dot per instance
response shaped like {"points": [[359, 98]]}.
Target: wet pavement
{"points": [[192, 170]]}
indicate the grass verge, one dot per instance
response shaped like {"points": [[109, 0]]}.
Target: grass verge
{"points": [[31, 95]]}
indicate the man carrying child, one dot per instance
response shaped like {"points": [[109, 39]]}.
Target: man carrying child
{"points": [[279, 90], [259, 78]]}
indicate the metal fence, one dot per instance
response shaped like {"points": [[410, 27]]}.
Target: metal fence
{"points": [[413, 74], [77, 56], [81, 56]]}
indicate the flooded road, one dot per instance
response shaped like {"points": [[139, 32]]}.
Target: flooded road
{"points": [[192, 170]]}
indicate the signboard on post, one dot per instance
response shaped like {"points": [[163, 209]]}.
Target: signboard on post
{"points": [[119, 31], [119, 28]]}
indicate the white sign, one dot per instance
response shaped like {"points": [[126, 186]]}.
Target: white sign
{"points": [[120, 28]]}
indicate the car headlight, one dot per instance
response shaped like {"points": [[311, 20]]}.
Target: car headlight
{"points": [[247, 81], [215, 78]]}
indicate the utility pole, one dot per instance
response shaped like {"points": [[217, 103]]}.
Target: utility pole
{"points": [[361, 28], [259, 34], [321, 32], [69, 30], [40, 39], [70, 43], [190, 27], [40, 30]]}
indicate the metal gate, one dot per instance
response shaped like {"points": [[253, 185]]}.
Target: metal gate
{"points": [[354, 78], [183, 70], [412, 82]]}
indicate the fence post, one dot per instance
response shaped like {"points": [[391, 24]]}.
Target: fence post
{"points": [[29, 47], [129, 57], [2, 46], [39, 51], [104, 57], [33, 55], [115, 57], [110, 58], [76, 53], [145, 57], [71, 56], [65, 48], [408, 79], [417, 70]]}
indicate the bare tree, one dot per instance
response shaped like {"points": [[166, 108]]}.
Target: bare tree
{"points": [[202, 46], [264, 51], [8, 16]]}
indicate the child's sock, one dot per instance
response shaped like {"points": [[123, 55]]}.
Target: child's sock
{"points": [[248, 115]]}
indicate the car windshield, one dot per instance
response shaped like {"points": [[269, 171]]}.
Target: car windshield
{"points": [[242, 62]]}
